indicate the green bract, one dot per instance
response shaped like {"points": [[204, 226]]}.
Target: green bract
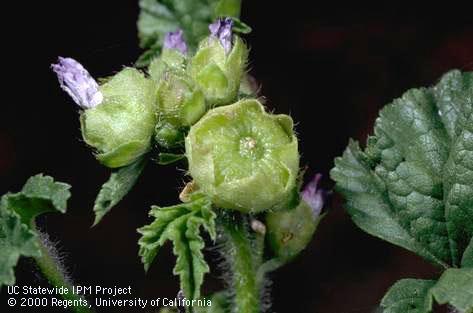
{"points": [[290, 231], [243, 157], [121, 127], [217, 73]]}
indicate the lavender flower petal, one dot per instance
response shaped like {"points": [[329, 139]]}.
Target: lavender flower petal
{"points": [[314, 196], [222, 29], [175, 40], [77, 82]]}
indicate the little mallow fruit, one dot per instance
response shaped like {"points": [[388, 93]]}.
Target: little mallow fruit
{"points": [[118, 117], [290, 231], [244, 158]]}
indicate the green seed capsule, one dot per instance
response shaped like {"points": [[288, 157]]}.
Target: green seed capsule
{"points": [[243, 157], [121, 127], [217, 72], [290, 231]]}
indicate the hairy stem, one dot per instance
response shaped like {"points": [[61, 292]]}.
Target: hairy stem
{"points": [[240, 255], [52, 269]]}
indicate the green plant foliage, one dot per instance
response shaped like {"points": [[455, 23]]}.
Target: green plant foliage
{"points": [[118, 185], [18, 237], [181, 225], [455, 287], [413, 184], [467, 259], [408, 295], [157, 17]]}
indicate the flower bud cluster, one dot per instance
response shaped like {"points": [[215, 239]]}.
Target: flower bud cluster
{"points": [[241, 156]]}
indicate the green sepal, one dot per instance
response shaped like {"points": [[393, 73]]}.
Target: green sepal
{"points": [[39, 195], [169, 158], [217, 73], [170, 59], [181, 225], [117, 186], [179, 101]]}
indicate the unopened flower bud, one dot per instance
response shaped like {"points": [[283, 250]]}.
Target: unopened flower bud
{"points": [[173, 56], [314, 196], [175, 40], [77, 82], [121, 127], [290, 231], [179, 101], [219, 64], [243, 157], [222, 30]]}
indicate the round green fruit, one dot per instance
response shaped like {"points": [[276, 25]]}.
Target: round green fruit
{"points": [[121, 127], [244, 158]]}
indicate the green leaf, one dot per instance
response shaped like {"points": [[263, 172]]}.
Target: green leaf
{"points": [[158, 17], [467, 259], [39, 195], [227, 8], [181, 225], [118, 185], [240, 27], [408, 296], [455, 287], [413, 184]]}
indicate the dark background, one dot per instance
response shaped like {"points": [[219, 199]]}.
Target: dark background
{"points": [[332, 67]]}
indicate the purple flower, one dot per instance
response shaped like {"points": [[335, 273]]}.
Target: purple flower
{"points": [[222, 29], [313, 195], [175, 40], [77, 82]]}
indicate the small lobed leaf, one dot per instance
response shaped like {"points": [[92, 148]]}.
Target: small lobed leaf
{"points": [[118, 185], [413, 184], [408, 295], [455, 287], [181, 225], [39, 195], [16, 240]]}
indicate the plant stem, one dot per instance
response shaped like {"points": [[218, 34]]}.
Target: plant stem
{"points": [[238, 250], [52, 269]]}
